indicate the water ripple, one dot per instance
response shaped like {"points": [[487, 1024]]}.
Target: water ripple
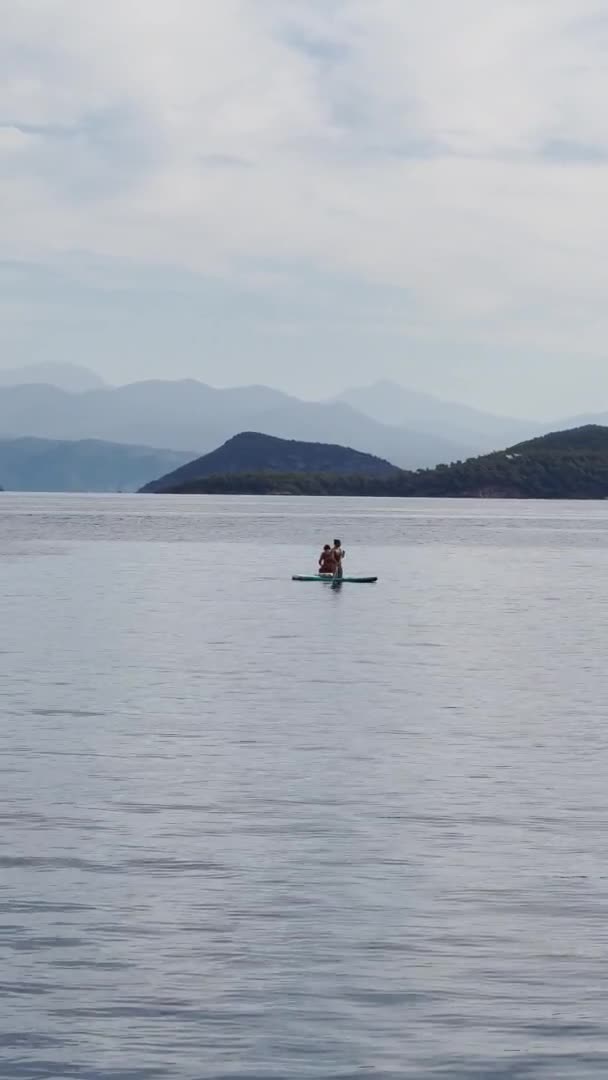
{"points": [[258, 831]]}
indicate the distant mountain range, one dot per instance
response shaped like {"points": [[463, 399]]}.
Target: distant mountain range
{"points": [[389, 403], [561, 465], [70, 377], [253, 452], [66, 402], [88, 465], [189, 414]]}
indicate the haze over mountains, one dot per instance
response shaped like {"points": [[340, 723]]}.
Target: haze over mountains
{"points": [[187, 414], [390, 403], [67, 402], [88, 465], [72, 377]]}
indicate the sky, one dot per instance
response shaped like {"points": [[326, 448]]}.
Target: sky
{"points": [[310, 194]]}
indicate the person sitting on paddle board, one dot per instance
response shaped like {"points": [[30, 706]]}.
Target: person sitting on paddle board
{"points": [[327, 563], [338, 554]]}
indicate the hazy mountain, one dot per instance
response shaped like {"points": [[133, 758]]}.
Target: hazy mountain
{"points": [[48, 465], [250, 451], [393, 404], [70, 377], [335, 422], [188, 414], [599, 419]]}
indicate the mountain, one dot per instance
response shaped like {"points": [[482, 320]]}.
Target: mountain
{"points": [[390, 403], [561, 465], [571, 464], [252, 452], [335, 422], [599, 419], [188, 414], [71, 377], [90, 465]]}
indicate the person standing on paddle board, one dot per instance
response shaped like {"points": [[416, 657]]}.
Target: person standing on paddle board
{"points": [[338, 554]]}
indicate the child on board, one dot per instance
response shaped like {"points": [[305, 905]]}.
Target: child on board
{"points": [[327, 563]]}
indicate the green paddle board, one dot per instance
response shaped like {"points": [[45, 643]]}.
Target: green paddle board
{"points": [[331, 579]]}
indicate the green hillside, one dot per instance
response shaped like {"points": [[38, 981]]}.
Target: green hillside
{"points": [[562, 465], [251, 452]]}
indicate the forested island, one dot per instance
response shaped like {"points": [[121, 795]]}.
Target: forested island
{"points": [[254, 453], [563, 465]]}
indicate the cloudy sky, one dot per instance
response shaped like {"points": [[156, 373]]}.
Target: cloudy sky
{"points": [[310, 193]]}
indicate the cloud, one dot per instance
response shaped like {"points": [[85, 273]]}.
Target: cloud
{"points": [[453, 154]]}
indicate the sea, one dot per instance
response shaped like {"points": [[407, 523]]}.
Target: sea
{"points": [[257, 829]]}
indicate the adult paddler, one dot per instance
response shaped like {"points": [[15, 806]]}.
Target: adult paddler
{"points": [[338, 554]]}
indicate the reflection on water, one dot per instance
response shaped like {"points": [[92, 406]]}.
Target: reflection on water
{"points": [[258, 828]]}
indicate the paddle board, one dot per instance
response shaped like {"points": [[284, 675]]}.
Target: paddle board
{"points": [[330, 578]]}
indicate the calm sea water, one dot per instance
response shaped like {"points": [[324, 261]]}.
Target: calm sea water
{"points": [[261, 829]]}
